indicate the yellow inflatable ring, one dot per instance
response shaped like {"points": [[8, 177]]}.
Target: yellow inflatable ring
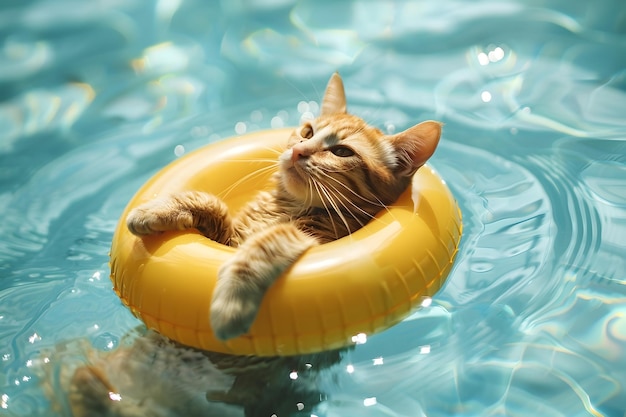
{"points": [[356, 285]]}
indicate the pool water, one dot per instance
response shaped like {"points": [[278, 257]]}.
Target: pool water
{"points": [[96, 96]]}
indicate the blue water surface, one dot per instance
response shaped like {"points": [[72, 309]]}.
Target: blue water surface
{"points": [[96, 96]]}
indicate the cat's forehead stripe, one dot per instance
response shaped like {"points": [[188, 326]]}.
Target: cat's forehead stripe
{"points": [[326, 136]]}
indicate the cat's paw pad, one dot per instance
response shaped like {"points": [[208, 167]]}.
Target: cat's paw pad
{"points": [[156, 217], [234, 307]]}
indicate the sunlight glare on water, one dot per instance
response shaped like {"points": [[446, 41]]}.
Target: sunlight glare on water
{"points": [[95, 97]]}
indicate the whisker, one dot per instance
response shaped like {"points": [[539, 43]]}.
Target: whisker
{"points": [[273, 150], [248, 160], [257, 173], [330, 216], [377, 203], [374, 203], [371, 120], [309, 201], [292, 85], [339, 170], [337, 194], [334, 205]]}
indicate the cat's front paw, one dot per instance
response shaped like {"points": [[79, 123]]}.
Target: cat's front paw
{"points": [[234, 306], [157, 216]]}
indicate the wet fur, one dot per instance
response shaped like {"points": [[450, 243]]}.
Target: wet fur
{"points": [[336, 173]]}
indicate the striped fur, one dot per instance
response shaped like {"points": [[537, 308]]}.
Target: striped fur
{"points": [[335, 175]]}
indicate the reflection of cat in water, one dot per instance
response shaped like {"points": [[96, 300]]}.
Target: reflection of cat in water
{"points": [[335, 175], [153, 376]]}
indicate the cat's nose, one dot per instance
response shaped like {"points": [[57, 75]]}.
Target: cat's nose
{"points": [[297, 153]]}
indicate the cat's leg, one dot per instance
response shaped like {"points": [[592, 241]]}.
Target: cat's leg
{"points": [[181, 211], [244, 279]]}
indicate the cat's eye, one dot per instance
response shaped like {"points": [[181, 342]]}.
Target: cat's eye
{"points": [[307, 131], [342, 151]]}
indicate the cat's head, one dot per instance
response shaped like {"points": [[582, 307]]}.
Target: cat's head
{"points": [[339, 162]]}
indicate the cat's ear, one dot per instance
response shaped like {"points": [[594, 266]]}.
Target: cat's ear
{"points": [[415, 145], [334, 98]]}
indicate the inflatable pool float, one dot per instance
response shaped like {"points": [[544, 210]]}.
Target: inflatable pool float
{"points": [[360, 284]]}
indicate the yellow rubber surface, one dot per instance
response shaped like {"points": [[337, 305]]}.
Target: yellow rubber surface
{"points": [[362, 283]]}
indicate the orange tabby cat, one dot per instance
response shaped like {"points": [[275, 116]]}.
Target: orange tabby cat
{"points": [[335, 175]]}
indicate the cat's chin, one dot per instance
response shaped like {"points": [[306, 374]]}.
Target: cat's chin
{"points": [[293, 184], [297, 188], [291, 179]]}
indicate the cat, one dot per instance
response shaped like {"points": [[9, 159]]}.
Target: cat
{"points": [[336, 173]]}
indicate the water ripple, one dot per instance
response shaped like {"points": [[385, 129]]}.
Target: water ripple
{"points": [[510, 242], [20, 58], [42, 110]]}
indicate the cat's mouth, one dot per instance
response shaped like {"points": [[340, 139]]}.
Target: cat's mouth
{"points": [[298, 181], [294, 177]]}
